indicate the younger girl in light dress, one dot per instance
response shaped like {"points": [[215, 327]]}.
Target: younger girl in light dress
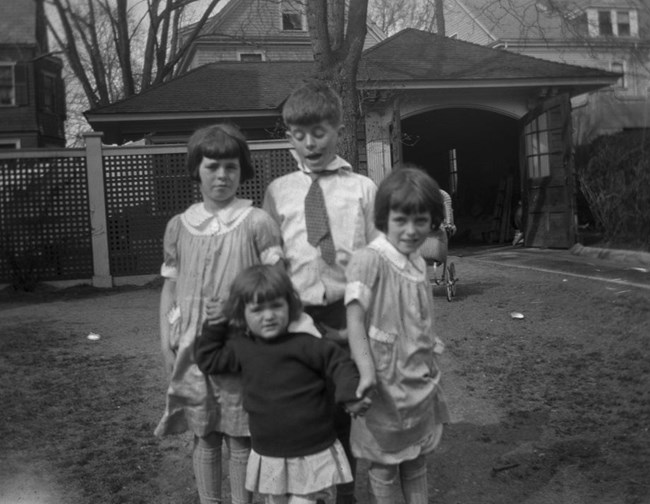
{"points": [[205, 247], [288, 379], [390, 326]]}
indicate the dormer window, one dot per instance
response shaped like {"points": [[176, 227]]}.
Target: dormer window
{"points": [[293, 15], [612, 23]]}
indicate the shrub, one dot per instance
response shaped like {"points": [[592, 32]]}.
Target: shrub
{"points": [[614, 176]]}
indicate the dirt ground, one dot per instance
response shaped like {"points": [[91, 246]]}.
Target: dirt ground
{"points": [[552, 408]]}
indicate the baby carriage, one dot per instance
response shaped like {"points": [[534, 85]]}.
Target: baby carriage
{"points": [[434, 251]]}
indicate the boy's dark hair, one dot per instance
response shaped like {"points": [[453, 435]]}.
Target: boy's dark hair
{"points": [[409, 190], [219, 141], [312, 103], [258, 284]]}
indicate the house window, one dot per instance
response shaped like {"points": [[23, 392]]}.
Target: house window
{"points": [[605, 23], [537, 147], [612, 22], [9, 144], [48, 93], [7, 85], [623, 23], [250, 57], [293, 15], [453, 172], [619, 67]]}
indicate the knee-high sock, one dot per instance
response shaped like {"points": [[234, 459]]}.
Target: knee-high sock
{"points": [[206, 459], [239, 450], [413, 477], [381, 480]]}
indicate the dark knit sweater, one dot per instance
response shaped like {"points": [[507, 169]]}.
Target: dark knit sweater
{"points": [[286, 381]]}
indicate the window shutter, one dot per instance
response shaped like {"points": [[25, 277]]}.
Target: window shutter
{"points": [[21, 79], [634, 24], [592, 22], [60, 98]]}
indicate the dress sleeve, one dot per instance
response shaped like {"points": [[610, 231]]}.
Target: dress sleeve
{"points": [[169, 268], [361, 277], [214, 352], [268, 241]]}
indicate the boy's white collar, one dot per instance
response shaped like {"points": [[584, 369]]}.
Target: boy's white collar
{"points": [[338, 163]]}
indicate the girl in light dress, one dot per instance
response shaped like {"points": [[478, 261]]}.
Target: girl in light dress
{"points": [[288, 380], [389, 305], [205, 247]]}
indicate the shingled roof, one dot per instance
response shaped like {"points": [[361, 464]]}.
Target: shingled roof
{"points": [[410, 58], [416, 56]]}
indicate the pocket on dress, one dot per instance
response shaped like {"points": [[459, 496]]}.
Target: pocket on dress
{"points": [[383, 346]]}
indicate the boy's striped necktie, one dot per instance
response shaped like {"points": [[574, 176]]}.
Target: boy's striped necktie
{"points": [[319, 233]]}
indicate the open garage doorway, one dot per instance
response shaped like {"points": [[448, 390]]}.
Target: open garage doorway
{"points": [[474, 155]]}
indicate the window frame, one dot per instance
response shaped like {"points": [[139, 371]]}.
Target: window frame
{"points": [[251, 53], [595, 25], [300, 11], [12, 68]]}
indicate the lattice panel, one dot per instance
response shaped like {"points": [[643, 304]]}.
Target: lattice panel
{"points": [[269, 164], [144, 191], [45, 223]]}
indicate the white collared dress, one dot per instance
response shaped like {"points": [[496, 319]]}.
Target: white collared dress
{"points": [[203, 252], [409, 409]]}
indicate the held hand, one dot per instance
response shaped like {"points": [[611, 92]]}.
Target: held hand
{"points": [[214, 311], [358, 408], [367, 383]]}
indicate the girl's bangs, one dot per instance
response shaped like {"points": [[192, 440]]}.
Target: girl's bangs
{"points": [[408, 200], [222, 146], [265, 291]]}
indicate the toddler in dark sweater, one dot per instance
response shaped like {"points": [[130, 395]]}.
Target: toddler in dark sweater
{"points": [[286, 377]]}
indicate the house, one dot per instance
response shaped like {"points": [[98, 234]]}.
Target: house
{"points": [[32, 96], [492, 126], [257, 30], [612, 35]]}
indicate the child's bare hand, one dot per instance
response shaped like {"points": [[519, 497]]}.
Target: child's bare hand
{"points": [[214, 311], [358, 408], [367, 383]]}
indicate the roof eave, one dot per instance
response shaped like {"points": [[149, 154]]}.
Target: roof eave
{"points": [[177, 116], [577, 82]]}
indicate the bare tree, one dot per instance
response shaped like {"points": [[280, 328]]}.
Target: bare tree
{"points": [[115, 48], [337, 36], [394, 15]]}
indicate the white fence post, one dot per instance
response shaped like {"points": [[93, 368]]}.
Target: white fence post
{"points": [[94, 169]]}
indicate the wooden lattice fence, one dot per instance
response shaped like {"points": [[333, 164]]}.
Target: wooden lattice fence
{"points": [[57, 224]]}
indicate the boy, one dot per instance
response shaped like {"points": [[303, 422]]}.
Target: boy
{"points": [[325, 213]]}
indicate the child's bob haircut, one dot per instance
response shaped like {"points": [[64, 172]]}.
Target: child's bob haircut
{"points": [[258, 284], [312, 103], [408, 190], [219, 141]]}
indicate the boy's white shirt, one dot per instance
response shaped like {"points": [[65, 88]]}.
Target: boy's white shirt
{"points": [[317, 282]]}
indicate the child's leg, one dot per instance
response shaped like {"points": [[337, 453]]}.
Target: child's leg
{"points": [[240, 448], [342, 424], [413, 477], [206, 459], [382, 479]]}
